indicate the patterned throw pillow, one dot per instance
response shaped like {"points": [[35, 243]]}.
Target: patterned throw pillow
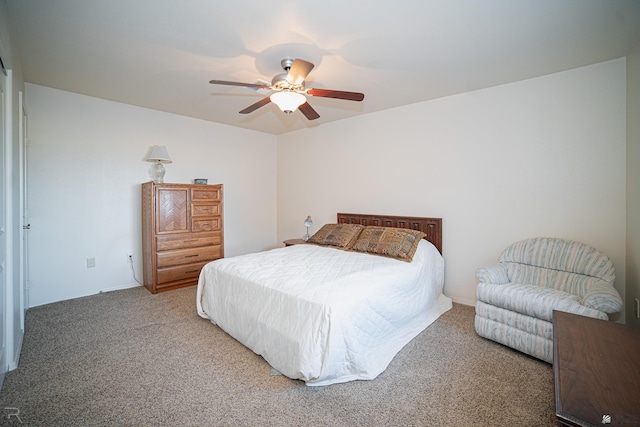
{"points": [[399, 243], [338, 235]]}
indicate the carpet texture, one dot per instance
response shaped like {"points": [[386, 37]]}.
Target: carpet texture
{"points": [[129, 358]]}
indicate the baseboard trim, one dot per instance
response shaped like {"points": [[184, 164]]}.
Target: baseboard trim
{"points": [[463, 302], [14, 364]]}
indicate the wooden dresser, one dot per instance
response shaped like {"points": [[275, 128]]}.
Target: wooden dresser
{"points": [[182, 230], [596, 371]]}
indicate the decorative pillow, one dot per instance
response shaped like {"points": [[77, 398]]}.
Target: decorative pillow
{"points": [[338, 235], [399, 243]]}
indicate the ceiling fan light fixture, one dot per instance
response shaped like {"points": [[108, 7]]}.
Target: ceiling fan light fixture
{"points": [[289, 91], [288, 101]]}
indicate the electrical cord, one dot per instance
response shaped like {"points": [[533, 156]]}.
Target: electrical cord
{"points": [[133, 272]]}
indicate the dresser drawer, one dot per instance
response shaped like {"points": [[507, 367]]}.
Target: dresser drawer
{"points": [[183, 272], [188, 256], [205, 224], [169, 242], [199, 209], [205, 193]]}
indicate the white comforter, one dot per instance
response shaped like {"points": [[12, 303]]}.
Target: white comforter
{"points": [[324, 315]]}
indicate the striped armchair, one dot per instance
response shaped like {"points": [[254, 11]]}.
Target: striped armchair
{"points": [[516, 297]]}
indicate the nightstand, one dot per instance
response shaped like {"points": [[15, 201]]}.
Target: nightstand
{"points": [[291, 242]]}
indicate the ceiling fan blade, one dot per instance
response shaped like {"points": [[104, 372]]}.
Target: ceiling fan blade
{"points": [[337, 94], [308, 111], [299, 71], [254, 107], [254, 85]]}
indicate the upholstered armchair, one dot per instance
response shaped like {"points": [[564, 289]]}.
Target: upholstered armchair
{"points": [[516, 297]]}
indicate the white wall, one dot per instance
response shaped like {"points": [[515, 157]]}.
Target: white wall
{"points": [[541, 157], [85, 170], [633, 189]]}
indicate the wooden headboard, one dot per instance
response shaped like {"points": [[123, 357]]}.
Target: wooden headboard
{"points": [[432, 227]]}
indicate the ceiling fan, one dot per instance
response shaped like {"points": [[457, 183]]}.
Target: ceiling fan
{"points": [[289, 90]]}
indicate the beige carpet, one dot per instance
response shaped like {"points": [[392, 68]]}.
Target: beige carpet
{"points": [[130, 358]]}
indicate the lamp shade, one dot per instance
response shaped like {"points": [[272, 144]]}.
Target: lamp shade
{"points": [[159, 154], [308, 222], [288, 101]]}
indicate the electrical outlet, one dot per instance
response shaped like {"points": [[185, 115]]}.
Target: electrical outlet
{"points": [[91, 262], [130, 258], [637, 308]]}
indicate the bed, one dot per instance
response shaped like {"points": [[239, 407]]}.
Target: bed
{"points": [[327, 311]]}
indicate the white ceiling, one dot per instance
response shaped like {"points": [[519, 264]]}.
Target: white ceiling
{"points": [[161, 54]]}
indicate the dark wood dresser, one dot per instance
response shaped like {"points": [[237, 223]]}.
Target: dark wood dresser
{"points": [[596, 366], [182, 230]]}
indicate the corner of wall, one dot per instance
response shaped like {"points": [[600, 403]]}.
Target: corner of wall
{"points": [[632, 285]]}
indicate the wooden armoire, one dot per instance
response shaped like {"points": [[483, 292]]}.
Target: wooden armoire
{"points": [[182, 230]]}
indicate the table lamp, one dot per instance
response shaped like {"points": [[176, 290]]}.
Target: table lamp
{"points": [[307, 223], [158, 156]]}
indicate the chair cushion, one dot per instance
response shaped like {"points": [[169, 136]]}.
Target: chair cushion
{"points": [[573, 283], [533, 300]]}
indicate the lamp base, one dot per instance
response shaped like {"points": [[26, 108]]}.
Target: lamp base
{"points": [[156, 172]]}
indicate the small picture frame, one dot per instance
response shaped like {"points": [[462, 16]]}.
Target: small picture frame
{"points": [[200, 181]]}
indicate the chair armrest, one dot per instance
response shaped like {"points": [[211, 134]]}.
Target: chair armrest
{"points": [[603, 297], [496, 274]]}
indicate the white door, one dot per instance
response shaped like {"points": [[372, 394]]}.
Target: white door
{"points": [[24, 205], [3, 234]]}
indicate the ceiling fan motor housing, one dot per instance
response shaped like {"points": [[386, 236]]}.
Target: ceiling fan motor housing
{"points": [[279, 82], [286, 63], [282, 81]]}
